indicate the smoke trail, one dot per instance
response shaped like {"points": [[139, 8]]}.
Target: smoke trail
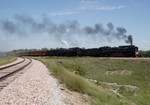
{"points": [[24, 25], [129, 39], [65, 43], [9, 26], [120, 33]]}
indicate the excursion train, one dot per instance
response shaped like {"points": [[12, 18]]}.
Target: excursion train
{"points": [[121, 51]]}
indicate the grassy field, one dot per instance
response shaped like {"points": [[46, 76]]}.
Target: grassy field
{"points": [[115, 81], [6, 60]]}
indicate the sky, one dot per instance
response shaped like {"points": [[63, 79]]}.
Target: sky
{"points": [[73, 23]]}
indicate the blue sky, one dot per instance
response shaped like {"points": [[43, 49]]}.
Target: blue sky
{"points": [[133, 15]]}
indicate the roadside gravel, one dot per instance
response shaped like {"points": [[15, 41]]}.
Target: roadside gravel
{"points": [[34, 87]]}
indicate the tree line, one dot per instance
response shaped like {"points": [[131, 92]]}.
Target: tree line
{"points": [[144, 53], [24, 50]]}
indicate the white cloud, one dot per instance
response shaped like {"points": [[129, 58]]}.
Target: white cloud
{"points": [[86, 2], [86, 5], [109, 7], [94, 5], [63, 13]]}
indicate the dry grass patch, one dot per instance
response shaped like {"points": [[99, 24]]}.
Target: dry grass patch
{"points": [[119, 72], [99, 96], [6, 60]]}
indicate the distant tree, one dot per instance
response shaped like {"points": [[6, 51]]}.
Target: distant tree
{"points": [[51, 49], [57, 48], [44, 49], [144, 53], [23, 50], [32, 50], [14, 51], [83, 47]]}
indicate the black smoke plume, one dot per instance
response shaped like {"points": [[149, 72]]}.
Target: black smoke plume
{"points": [[120, 32], [23, 25]]}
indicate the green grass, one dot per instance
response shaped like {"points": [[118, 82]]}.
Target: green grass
{"points": [[96, 69], [72, 72], [6, 60]]}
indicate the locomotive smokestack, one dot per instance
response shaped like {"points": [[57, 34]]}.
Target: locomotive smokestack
{"points": [[130, 39]]}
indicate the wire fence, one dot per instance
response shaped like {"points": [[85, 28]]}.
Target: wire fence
{"points": [[3, 54]]}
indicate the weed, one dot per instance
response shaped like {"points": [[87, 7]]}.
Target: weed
{"points": [[7, 60], [84, 67]]}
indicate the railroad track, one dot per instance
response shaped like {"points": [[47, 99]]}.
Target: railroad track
{"points": [[11, 72]]}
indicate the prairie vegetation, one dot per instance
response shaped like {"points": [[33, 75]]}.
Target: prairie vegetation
{"points": [[144, 53], [6, 60], [107, 81]]}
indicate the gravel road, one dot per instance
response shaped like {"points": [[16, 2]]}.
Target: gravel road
{"points": [[34, 87]]}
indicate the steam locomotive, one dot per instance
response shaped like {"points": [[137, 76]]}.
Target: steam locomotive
{"points": [[121, 51]]}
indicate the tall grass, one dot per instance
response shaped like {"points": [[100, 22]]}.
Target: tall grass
{"points": [[77, 83], [6, 60], [95, 68]]}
